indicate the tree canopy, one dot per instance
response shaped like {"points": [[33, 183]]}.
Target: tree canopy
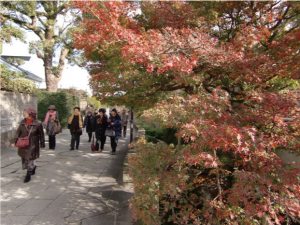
{"points": [[214, 71], [53, 23]]}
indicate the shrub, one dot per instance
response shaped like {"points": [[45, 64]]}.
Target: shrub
{"points": [[14, 81], [63, 102], [21, 85], [167, 134], [151, 132], [94, 103], [151, 139], [3, 83], [7, 74]]}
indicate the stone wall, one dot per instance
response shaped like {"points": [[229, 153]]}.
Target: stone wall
{"points": [[12, 106]]}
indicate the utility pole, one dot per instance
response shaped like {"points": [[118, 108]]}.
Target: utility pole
{"points": [[131, 125], [131, 120]]}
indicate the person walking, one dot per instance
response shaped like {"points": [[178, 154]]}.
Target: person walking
{"points": [[88, 124], [100, 125], [32, 128], [124, 121], [114, 122], [75, 124], [51, 119]]}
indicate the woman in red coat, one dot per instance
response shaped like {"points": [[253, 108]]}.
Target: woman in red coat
{"points": [[30, 125]]}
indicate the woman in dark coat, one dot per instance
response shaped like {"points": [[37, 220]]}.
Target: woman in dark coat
{"points": [[100, 125], [51, 119], [114, 121], [75, 124], [88, 124], [30, 125]]}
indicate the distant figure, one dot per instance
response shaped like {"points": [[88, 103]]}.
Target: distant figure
{"points": [[114, 121], [50, 119], [100, 125], [33, 128], [75, 124], [88, 124], [124, 121]]}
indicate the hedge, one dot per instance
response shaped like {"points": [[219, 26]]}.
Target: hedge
{"points": [[64, 103]]}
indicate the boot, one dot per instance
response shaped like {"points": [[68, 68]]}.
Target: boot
{"points": [[33, 171], [28, 177]]}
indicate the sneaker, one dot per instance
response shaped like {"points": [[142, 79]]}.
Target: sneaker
{"points": [[101, 150], [71, 148]]}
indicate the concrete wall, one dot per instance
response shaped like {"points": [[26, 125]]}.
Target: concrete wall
{"points": [[12, 106]]}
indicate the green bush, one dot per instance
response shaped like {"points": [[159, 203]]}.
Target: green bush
{"points": [[14, 81], [167, 135], [21, 85], [64, 103], [8, 75], [151, 139], [151, 132]]}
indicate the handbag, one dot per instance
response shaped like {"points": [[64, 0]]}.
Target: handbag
{"points": [[110, 132], [23, 142], [93, 145], [57, 128]]}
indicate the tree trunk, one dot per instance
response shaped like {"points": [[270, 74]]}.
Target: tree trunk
{"points": [[51, 78], [51, 82]]}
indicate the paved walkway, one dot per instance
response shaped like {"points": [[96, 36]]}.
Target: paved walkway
{"points": [[69, 188]]}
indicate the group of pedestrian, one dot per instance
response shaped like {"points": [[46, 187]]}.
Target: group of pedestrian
{"points": [[99, 124], [30, 138]]}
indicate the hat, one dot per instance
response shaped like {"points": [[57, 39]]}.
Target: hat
{"points": [[102, 110], [89, 112], [31, 110], [51, 107]]}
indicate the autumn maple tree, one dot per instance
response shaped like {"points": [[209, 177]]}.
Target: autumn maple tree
{"points": [[224, 75]]}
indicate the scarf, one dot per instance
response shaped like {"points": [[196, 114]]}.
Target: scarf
{"points": [[79, 117], [48, 115], [29, 121]]}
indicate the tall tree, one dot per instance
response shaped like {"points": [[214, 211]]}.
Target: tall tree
{"points": [[52, 22], [214, 71]]}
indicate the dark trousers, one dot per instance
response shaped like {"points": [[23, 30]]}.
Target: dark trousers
{"points": [[124, 131], [113, 143], [102, 140], [75, 140], [52, 141], [90, 136]]}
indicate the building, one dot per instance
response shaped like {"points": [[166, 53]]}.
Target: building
{"points": [[28, 75]]}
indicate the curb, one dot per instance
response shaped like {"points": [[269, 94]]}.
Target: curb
{"points": [[127, 180]]}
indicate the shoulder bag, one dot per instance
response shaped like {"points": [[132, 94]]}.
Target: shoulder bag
{"points": [[23, 142], [57, 128], [110, 132]]}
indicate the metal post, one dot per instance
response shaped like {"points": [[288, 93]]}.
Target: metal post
{"points": [[131, 125]]}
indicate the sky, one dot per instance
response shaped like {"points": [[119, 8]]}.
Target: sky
{"points": [[73, 76]]}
